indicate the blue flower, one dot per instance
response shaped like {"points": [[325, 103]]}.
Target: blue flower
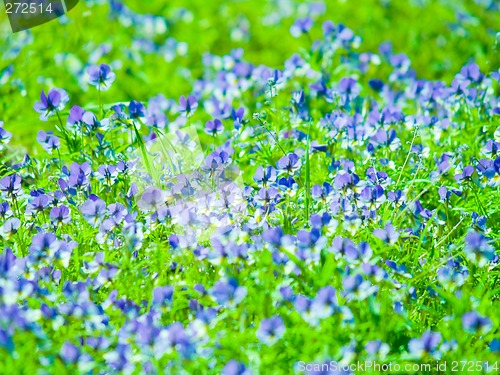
{"points": [[60, 215], [388, 234], [288, 163], [48, 141], [162, 295], [101, 76], [69, 353], [51, 103], [237, 116], [136, 109], [228, 293], [427, 344], [93, 211], [187, 106], [10, 185], [5, 136], [10, 227], [495, 345], [233, 367], [43, 242], [214, 127], [473, 322], [301, 26], [271, 330], [264, 176], [325, 303], [478, 249]]}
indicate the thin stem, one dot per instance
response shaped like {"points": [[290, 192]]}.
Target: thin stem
{"points": [[272, 135], [99, 101], [308, 173], [407, 157]]}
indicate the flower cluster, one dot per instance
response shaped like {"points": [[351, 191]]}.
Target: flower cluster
{"points": [[267, 217]]}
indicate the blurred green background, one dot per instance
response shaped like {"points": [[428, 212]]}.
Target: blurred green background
{"points": [[438, 36]]}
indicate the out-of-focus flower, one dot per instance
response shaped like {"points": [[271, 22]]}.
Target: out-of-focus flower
{"points": [[271, 330], [101, 76]]}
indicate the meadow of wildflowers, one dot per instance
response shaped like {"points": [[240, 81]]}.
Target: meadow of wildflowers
{"points": [[253, 187]]}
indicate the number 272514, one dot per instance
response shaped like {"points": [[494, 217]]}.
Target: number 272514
{"points": [[27, 8]]}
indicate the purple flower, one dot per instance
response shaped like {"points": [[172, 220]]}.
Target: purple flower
{"points": [[48, 141], [271, 330], [43, 242], [465, 175], [474, 322], [470, 72], [264, 176], [120, 358], [162, 295], [238, 117], [75, 115], [5, 136], [344, 247], [319, 221], [152, 199], [267, 197], [348, 89], [174, 338], [214, 127], [219, 109], [136, 109], [388, 234], [107, 174], [235, 368], [321, 90], [357, 288], [427, 344], [287, 293], [79, 175], [228, 293], [117, 212], [38, 204], [10, 185], [82, 121], [288, 163], [187, 106], [400, 62], [322, 192], [325, 303], [60, 215], [478, 249], [10, 227], [273, 236], [101, 76], [348, 86], [377, 349], [303, 305], [69, 353], [5, 211], [386, 139], [301, 26], [453, 274], [372, 197], [49, 104], [156, 120], [400, 269], [93, 211]]}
